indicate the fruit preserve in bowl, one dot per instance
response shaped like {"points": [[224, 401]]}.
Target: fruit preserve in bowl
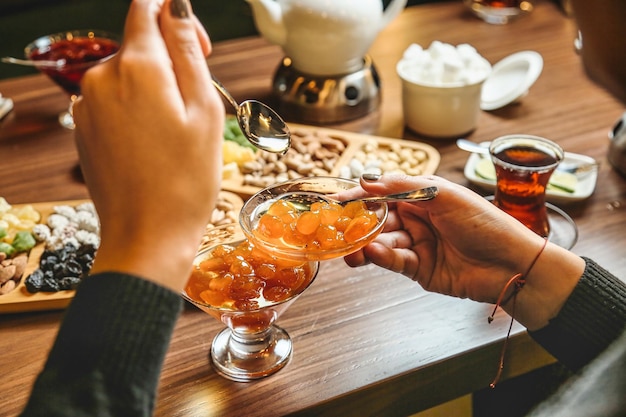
{"points": [[302, 220], [246, 289]]}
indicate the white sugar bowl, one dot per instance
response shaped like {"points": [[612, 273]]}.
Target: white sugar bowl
{"points": [[441, 88]]}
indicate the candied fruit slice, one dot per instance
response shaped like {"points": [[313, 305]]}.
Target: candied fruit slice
{"points": [[317, 206], [280, 208], [329, 213], [246, 288], [271, 226], [213, 264], [359, 227], [342, 223], [221, 283], [289, 218], [276, 293], [353, 208], [293, 237], [246, 305], [328, 237], [222, 250], [213, 298], [291, 278], [241, 267], [266, 271], [308, 222]]}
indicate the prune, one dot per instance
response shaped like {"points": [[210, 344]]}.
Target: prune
{"points": [[34, 281], [61, 269], [69, 283], [50, 284]]}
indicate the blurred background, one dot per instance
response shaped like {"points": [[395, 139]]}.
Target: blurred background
{"points": [[22, 21]]}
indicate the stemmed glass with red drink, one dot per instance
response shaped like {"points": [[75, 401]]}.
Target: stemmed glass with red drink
{"points": [[76, 51]]}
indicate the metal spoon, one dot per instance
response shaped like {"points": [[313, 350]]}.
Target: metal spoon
{"points": [[422, 194], [261, 125], [34, 63], [305, 199], [577, 169]]}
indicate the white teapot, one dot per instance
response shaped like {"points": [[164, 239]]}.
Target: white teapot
{"points": [[324, 37]]}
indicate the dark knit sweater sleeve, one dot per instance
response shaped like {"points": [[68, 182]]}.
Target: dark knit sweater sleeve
{"points": [[109, 351], [593, 316]]}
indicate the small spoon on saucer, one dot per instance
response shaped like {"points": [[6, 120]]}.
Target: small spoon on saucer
{"points": [[577, 169], [261, 125], [33, 63]]}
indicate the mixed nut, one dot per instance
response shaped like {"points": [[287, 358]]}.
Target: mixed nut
{"points": [[11, 271], [70, 237], [311, 154], [319, 153]]}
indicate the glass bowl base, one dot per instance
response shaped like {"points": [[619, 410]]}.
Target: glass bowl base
{"points": [[240, 366]]}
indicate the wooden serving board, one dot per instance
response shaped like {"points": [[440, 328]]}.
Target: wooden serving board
{"points": [[353, 142], [20, 300]]}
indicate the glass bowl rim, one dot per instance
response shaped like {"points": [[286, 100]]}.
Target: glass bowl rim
{"points": [[49, 39], [284, 251]]}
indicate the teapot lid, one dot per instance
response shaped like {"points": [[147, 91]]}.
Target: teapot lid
{"points": [[510, 79]]}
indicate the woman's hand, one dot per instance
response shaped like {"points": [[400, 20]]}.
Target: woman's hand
{"points": [[149, 133], [460, 244]]}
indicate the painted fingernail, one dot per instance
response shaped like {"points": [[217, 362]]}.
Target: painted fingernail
{"points": [[180, 8], [370, 176]]}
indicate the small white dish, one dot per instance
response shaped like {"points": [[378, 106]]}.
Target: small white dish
{"points": [[510, 79], [585, 185]]}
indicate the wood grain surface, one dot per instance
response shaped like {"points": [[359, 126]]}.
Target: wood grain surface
{"points": [[366, 341]]}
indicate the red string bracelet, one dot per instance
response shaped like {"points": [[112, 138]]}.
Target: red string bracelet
{"points": [[518, 280]]}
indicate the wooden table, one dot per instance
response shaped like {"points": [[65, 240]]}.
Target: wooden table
{"points": [[367, 342]]}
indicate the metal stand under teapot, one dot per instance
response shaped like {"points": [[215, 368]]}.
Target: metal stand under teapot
{"points": [[326, 75]]}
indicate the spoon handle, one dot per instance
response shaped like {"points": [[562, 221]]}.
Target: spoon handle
{"points": [[225, 92], [422, 194], [32, 63]]}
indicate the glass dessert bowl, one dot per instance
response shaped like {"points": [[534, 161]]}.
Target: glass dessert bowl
{"points": [[302, 219], [246, 289], [75, 52]]}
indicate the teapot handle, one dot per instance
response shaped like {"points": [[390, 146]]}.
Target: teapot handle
{"points": [[393, 9]]}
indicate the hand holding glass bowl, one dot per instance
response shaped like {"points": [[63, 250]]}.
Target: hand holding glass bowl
{"points": [[75, 51], [246, 277], [301, 220]]}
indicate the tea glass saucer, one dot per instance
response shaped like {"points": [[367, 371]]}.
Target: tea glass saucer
{"points": [[563, 230]]}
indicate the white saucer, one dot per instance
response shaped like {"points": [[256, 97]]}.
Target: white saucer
{"points": [[510, 79]]}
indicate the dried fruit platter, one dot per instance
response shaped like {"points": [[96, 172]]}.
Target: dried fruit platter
{"points": [[21, 300], [318, 151]]}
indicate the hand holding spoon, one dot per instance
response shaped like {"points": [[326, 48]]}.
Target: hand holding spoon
{"points": [[261, 125], [422, 194], [304, 199]]}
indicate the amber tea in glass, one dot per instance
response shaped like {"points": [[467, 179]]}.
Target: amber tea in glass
{"points": [[524, 164]]}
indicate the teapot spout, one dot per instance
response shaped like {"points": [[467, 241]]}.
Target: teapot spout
{"points": [[392, 10], [268, 19]]}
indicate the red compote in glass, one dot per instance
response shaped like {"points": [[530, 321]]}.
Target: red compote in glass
{"points": [[78, 51]]}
